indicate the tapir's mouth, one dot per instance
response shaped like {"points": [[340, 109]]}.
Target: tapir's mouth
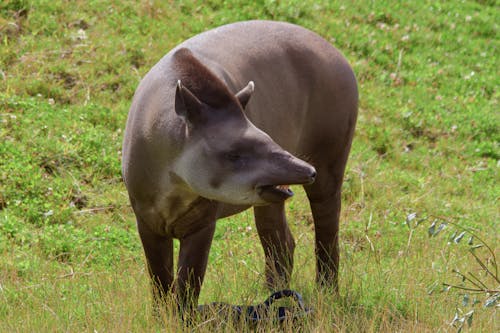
{"points": [[274, 193]]}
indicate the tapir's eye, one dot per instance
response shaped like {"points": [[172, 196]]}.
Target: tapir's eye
{"points": [[233, 156]]}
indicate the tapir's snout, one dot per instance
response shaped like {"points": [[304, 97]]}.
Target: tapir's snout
{"points": [[303, 171], [289, 170], [308, 177], [312, 175]]}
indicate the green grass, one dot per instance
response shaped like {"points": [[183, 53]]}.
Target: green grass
{"points": [[427, 142]]}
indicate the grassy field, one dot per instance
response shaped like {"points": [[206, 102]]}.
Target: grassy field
{"points": [[420, 209]]}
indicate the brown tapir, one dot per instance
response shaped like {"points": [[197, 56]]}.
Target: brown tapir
{"points": [[215, 128]]}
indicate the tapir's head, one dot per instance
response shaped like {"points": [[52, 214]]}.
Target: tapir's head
{"points": [[226, 157]]}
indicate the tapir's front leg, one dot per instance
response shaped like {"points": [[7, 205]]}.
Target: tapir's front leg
{"points": [[278, 244], [159, 255], [193, 257]]}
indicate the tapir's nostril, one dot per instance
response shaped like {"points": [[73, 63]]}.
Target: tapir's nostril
{"points": [[313, 175]]}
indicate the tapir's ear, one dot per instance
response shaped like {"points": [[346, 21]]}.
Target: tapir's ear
{"points": [[187, 105], [244, 94]]}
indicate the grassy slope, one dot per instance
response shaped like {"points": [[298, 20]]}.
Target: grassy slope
{"points": [[426, 142]]}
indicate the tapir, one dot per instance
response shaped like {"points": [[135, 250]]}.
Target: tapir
{"points": [[225, 121]]}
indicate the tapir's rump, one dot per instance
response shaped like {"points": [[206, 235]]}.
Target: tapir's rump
{"points": [[220, 124]]}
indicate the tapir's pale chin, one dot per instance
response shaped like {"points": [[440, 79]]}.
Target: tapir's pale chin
{"points": [[257, 196], [234, 195]]}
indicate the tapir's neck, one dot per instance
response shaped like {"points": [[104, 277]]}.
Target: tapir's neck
{"points": [[175, 200]]}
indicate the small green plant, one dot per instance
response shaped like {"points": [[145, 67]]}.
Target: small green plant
{"points": [[479, 283]]}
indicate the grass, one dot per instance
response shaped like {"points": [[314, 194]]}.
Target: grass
{"points": [[427, 142]]}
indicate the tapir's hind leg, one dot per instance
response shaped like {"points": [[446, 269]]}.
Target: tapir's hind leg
{"points": [[278, 243], [327, 143], [325, 201]]}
